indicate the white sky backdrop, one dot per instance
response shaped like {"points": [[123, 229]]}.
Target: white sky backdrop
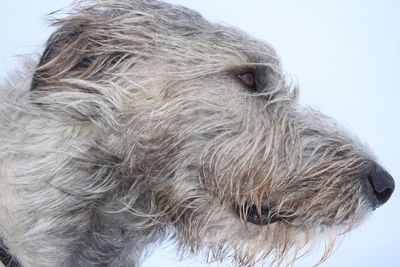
{"points": [[345, 56]]}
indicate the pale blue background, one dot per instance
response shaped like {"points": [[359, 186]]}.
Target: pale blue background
{"points": [[344, 54]]}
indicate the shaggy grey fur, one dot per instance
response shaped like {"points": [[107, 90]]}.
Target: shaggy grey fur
{"points": [[142, 122]]}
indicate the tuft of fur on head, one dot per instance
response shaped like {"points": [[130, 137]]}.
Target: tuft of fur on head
{"points": [[136, 127]]}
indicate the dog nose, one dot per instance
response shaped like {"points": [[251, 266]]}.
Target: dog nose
{"points": [[382, 184]]}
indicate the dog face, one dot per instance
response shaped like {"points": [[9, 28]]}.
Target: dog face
{"points": [[200, 120]]}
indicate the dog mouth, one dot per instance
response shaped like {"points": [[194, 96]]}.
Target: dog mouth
{"points": [[262, 216]]}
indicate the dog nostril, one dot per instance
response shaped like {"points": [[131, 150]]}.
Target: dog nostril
{"points": [[383, 195], [382, 185]]}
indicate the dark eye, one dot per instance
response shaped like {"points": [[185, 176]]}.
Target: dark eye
{"points": [[248, 79]]}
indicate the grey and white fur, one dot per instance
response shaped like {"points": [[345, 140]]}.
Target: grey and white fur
{"points": [[142, 121]]}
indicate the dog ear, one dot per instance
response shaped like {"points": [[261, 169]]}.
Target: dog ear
{"points": [[66, 56], [62, 58]]}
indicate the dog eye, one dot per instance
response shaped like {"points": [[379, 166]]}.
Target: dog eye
{"points": [[248, 79]]}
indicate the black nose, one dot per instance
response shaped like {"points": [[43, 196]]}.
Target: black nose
{"points": [[382, 185]]}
